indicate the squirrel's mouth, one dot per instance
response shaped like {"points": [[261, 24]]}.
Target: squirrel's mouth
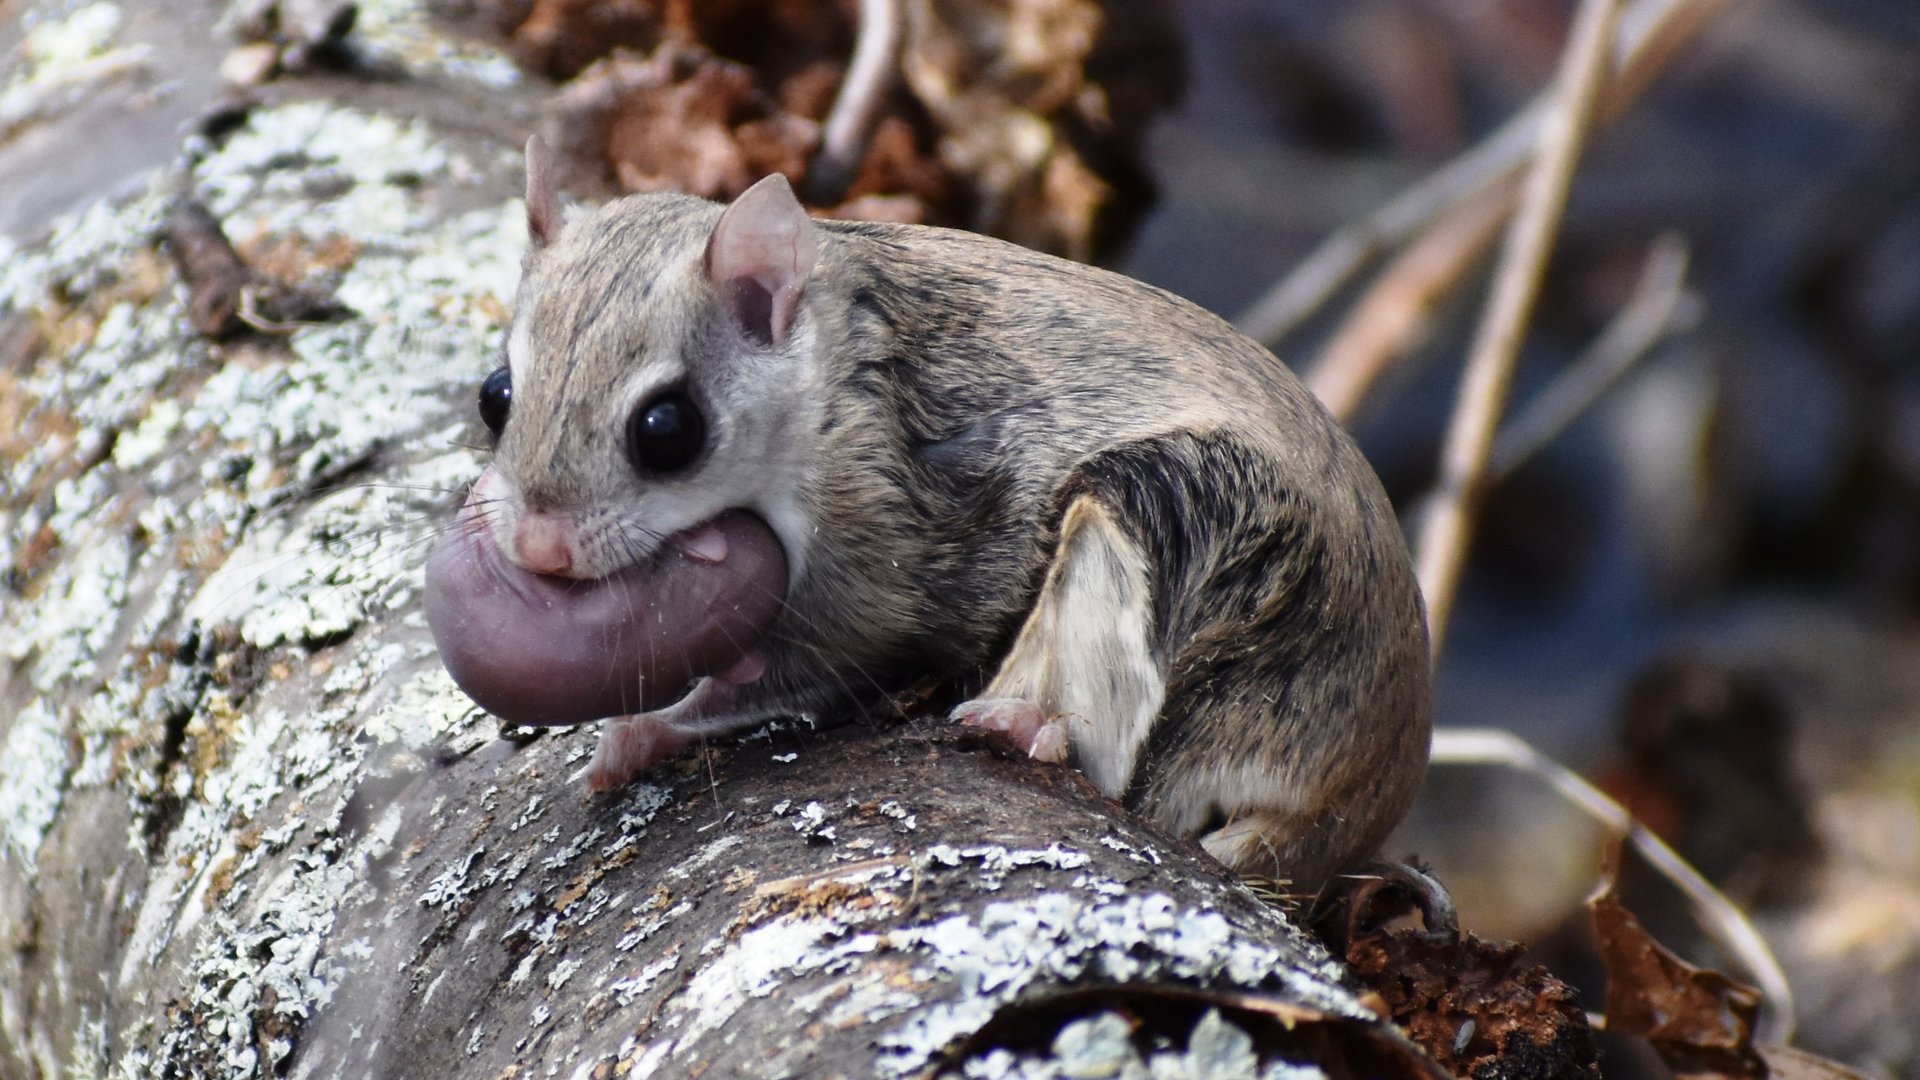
{"points": [[537, 649]]}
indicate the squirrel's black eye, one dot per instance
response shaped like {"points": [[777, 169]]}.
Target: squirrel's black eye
{"points": [[666, 434], [496, 400]]}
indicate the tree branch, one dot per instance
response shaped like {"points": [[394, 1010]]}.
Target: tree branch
{"points": [[1447, 525], [1651, 33]]}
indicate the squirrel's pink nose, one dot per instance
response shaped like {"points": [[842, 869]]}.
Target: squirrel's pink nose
{"points": [[543, 543]]}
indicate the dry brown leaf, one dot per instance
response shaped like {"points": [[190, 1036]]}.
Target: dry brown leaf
{"points": [[559, 38], [992, 75], [680, 119], [897, 168], [1699, 1021]]}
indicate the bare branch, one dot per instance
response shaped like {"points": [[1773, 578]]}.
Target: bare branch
{"points": [[870, 74], [1344, 254], [1448, 525], [1657, 308], [1392, 318], [1651, 33]]}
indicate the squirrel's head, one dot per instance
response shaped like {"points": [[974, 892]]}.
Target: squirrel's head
{"points": [[661, 370]]}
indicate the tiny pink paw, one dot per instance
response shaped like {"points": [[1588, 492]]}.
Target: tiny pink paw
{"points": [[630, 746], [1022, 721]]}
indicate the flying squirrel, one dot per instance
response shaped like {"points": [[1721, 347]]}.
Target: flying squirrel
{"points": [[748, 464]]}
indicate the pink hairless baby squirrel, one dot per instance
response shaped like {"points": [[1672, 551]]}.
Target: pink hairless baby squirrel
{"points": [[748, 464]]}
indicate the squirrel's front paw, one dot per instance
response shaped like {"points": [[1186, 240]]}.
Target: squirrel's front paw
{"points": [[629, 746], [1023, 721]]}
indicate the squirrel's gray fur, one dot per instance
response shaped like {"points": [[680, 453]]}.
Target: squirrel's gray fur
{"points": [[940, 402]]}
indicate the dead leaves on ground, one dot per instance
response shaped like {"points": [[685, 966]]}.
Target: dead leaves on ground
{"points": [[1018, 118], [1476, 1006]]}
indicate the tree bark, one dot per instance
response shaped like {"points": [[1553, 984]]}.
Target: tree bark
{"points": [[251, 828]]}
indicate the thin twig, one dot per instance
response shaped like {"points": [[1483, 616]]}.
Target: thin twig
{"points": [[870, 74], [1719, 916], [1656, 309], [1344, 254], [1448, 526], [1651, 33], [1393, 316]]}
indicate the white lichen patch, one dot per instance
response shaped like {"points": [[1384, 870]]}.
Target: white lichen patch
{"points": [[62, 58], [110, 381], [253, 486], [652, 922], [267, 747], [642, 803], [34, 780], [454, 884], [759, 962], [75, 617], [1131, 851], [959, 970], [907, 821], [261, 179], [704, 858], [562, 971], [430, 709], [557, 857], [627, 990], [398, 32], [811, 822], [273, 956], [152, 436], [85, 252], [116, 715], [1062, 937], [1101, 1046], [995, 862]]}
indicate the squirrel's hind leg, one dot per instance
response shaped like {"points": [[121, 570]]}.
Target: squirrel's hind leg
{"points": [[1081, 675]]}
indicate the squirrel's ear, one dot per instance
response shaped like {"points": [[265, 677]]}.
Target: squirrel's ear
{"points": [[760, 257], [543, 206]]}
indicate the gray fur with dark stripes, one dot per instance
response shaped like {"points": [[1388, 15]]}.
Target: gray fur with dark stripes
{"points": [[941, 400]]}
